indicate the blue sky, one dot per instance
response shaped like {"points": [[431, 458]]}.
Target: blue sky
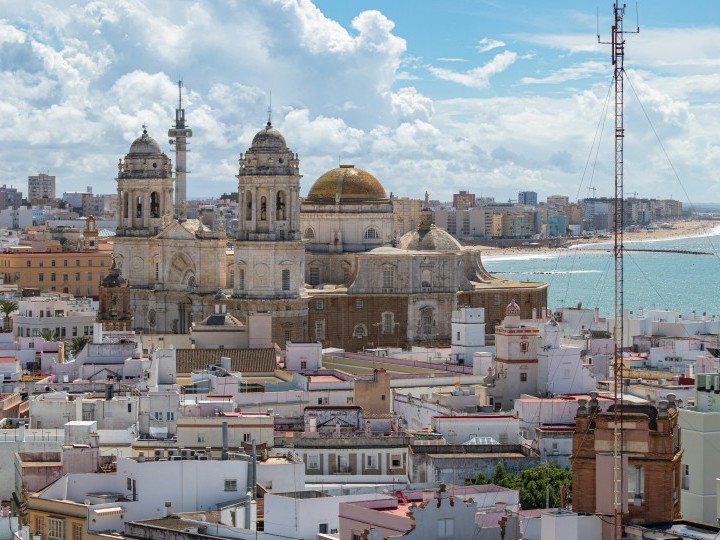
{"points": [[488, 96]]}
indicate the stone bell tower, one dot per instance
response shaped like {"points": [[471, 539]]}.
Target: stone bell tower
{"points": [[269, 264]]}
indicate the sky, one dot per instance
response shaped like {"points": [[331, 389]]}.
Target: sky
{"points": [[489, 96]]}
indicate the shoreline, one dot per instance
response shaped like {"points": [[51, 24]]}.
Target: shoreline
{"points": [[691, 228]]}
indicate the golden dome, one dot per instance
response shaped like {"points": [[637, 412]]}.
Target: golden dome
{"points": [[348, 183]]}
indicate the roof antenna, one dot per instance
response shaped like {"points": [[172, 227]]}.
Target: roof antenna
{"points": [[269, 110], [180, 85]]}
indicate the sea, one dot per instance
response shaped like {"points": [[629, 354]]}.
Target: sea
{"points": [[584, 274]]}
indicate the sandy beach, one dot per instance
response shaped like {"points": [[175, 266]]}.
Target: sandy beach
{"points": [[677, 229]]}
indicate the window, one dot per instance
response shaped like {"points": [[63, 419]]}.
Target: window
{"points": [[65, 277], [230, 485], [314, 275], [77, 262], [446, 529], [287, 335], [359, 304], [524, 346], [158, 416], [41, 277], [396, 461], [496, 300], [286, 280], [74, 331], [388, 279], [56, 528], [90, 276], [427, 324], [157, 271], [350, 400], [41, 264], [52, 263], [319, 305], [319, 330], [686, 477], [129, 483], [77, 532], [356, 535], [372, 462], [65, 263], [636, 485], [77, 276], [28, 264], [241, 279], [388, 322], [323, 401], [246, 437], [38, 526], [129, 407], [360, 331], [426, 280], [523, 377], [309, 233], [170, 416], [371, 234], [303, 364], [323, 528], [313, 462], [90, 262], [52, 276]]}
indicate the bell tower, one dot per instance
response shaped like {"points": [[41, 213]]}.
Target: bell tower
{"points": [[269, 263], [145, 188]]}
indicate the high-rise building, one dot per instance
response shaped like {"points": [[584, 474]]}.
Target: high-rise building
{"points": [[558, 203], [10, 197], [463, 200], [41, 187], [527, 197]]}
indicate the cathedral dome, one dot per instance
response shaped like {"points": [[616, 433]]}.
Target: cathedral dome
{"points": [[145, 144], [269, 137], [429, 239], [349, 184]]}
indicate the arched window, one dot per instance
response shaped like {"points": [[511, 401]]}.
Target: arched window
{"points": [[126, 205], [360, 331], [371, 234], [248, 206], [426, 280], [280, 206], [263, 208], [191, 281], [309, 233], [138, 206], [154, 205]]}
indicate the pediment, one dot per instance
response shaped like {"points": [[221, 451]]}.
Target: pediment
{"points": [[175, 231]]}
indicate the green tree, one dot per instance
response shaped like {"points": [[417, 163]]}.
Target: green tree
{"points": [[78, 344], [65, 244], [533, 484], [49, 335], [6, 308]]}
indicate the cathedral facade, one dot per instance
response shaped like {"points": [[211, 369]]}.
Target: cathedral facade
{"points": [[332, 267]]}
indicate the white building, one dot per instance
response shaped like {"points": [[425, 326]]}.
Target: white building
{"points": [[701, 460], [66, 318], [467, 333]]}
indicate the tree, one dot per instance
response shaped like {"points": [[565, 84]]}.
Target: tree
{"points": [[65, 244], [532, 484], [49, 335], [6, 308], [78, 344]]}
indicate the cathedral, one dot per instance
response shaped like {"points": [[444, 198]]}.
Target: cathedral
{"points": [[331, 267]]}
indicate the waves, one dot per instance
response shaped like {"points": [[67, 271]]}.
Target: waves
{"points": [[549, 272]]}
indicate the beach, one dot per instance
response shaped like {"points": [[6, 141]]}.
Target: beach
{"points": [[690, 228]]}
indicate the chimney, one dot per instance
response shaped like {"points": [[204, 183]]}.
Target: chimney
{"points": [[97, 333], [168, 508]]}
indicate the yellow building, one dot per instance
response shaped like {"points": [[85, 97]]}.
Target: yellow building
{"points": [[73, 272]]}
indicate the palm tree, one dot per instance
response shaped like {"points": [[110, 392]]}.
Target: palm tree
{"points": [[6, 308], [78, 344], [49, 335]]}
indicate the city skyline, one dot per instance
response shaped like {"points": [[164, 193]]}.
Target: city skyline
{"points": [[519, 90]]}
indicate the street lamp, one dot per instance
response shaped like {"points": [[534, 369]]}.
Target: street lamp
{"points": [[378, 325]]}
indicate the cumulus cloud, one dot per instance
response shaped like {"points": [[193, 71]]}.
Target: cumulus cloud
{"points": [[488, 44], [477, 77]]}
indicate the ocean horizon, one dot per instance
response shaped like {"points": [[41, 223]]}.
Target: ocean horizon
{"points": [[584, 274]]}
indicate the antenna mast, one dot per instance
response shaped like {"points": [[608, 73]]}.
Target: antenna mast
{"points": [[618, 56], [179, 135]]}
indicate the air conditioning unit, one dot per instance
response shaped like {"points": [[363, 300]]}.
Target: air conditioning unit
{"points": [[172, 452], [159, 454], [185, 453], [176, 458]]}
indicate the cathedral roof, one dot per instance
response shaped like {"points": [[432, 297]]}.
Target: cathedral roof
{"points": [[348, 184], [269, 138], [114, 278], [145, 144], [429, 239]]}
